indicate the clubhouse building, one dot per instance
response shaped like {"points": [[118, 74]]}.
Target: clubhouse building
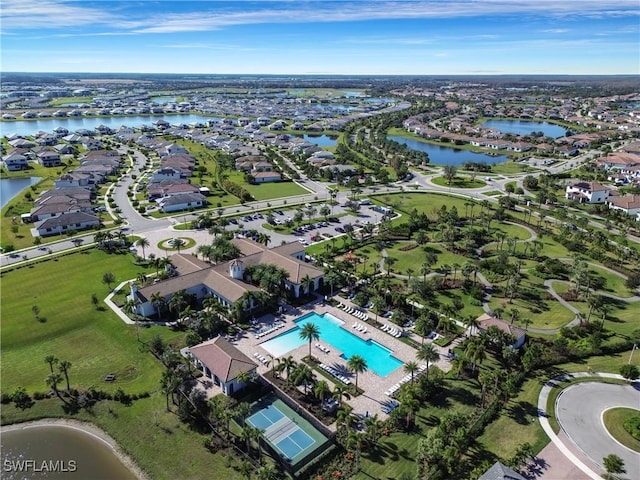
{"points": [[227, 281]]}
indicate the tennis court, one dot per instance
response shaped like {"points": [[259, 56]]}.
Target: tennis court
{"points": [[282, 432]]}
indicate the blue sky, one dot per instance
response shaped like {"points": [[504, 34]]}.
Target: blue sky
{"points": [[430, 37]]}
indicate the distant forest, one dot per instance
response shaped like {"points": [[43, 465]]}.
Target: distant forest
{"points": [[582, 84]]}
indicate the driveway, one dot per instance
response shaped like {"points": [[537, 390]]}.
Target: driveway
{"points": [[579, 410]]}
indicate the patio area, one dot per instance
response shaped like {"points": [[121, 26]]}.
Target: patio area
{"points": [[378, 391]]}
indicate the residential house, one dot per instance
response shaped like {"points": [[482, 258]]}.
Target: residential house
{"points": [[629, 204], [64, 223], [485, 321], [181, 201], [223, 363], [49, 158], [587, 192], [265, 177], [57, 205], [165, 174], [15, 161]]}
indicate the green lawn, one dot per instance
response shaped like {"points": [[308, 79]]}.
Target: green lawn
{"points": [[614, 422], [548, 314], [394, 456], [96, 342], [429, 203], [459, 182], [413, 259], [517, 423], [614, 284], [512, 231]]}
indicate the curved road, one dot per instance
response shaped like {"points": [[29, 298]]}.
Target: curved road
{"points": [[579, 410]]}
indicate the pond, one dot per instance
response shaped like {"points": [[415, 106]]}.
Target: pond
{"points": [[526, 127], [320, 140], [449, 156], [56, 452], [10, 187]]}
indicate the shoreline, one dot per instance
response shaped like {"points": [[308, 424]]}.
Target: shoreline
{"points": [[89, 429]]}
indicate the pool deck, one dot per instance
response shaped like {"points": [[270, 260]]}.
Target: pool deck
{"points": [[374, 399]]}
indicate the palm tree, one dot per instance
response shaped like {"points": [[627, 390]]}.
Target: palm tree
{"points": [[64, 367], [303, 375], [357, 364], [332, 277], [427, 353], [158, 301], [475, 352], [53, 379], [178, 302], [307, 284], [340, 391], [311, 333], [321, 390], [288, 364], [411, 368], [143, 243], [51, 360]]}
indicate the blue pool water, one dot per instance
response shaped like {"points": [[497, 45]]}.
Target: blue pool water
{"points": [[379, 359]]}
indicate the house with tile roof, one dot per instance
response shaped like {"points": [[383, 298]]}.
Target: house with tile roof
{"points": [[587, 192], [629, 204], [485, 321], [223, 363]]}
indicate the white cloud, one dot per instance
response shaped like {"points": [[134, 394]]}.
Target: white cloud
{"points": [[25, 14]]}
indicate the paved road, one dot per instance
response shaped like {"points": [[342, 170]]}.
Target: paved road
{"points": [[579, 410]]}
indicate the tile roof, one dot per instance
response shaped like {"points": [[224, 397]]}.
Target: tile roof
{"points": [[223, 359], [498, 471]]}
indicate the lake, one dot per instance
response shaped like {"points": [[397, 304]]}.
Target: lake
{"points": [[526, 127], [10, 187], [30, 127], [56, 452], [448, 156], [320, 140]]}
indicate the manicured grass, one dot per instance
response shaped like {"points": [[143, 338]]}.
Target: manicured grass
{"points": [[157, 441], [493, 193], [394, 456], [429, 203], [623, 318], [512, 231], [614, 284], [459, 182], [267, 191], [614, 420], [517, 423], [413, 259], [547, 314], [96, 342]]}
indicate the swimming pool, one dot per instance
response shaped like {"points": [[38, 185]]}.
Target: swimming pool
{"points": [[380, 360]]}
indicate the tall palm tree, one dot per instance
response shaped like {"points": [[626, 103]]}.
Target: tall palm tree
{"points": [[64, 367], [51, 360], [158, 301], [321, 390], [53, 379], [475, 352], [340, 391], [143, 243], [311, 333], [357, 364], [288, 364], [427, 353], [303, 375], [307, 283], [411, 368]]}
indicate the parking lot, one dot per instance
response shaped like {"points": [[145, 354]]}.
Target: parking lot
{"points": [[311, 230]]}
